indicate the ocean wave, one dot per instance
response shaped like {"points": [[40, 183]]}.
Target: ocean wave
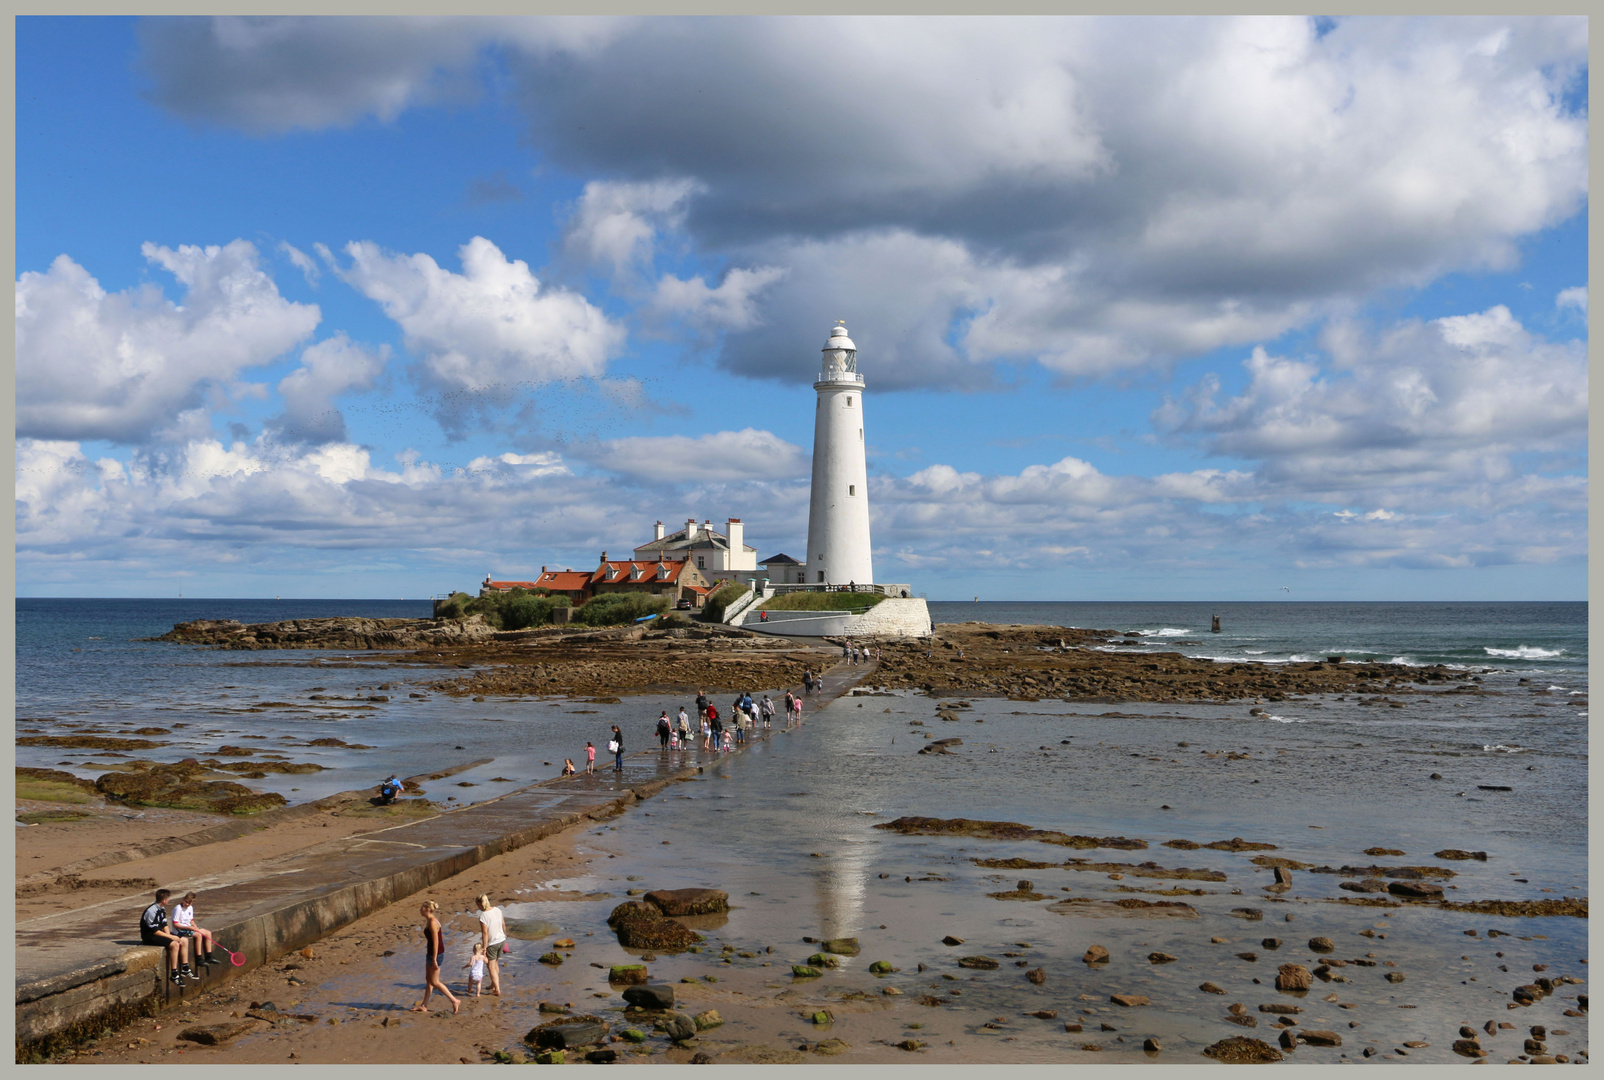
{"points": [[1524, 652], [1516, 749], [1167, 631], [1286, 719]]}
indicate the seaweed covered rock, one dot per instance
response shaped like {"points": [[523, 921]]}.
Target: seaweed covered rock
{"points": [[1241, 1050], [689, 901], [643, 926], [179, 786]]}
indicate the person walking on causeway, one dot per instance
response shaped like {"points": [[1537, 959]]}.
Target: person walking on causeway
{"points": [[617, 747]]}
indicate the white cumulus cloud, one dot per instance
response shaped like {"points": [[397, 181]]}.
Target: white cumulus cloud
{"points": [[744, 455], [616, 224], [328, 369], [122, 366], [490, 329]]}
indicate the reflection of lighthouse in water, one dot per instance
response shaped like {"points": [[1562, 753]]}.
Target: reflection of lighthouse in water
{"points": [[838, 512], [840, 885]]}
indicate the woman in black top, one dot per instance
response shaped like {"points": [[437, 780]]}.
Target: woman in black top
{"points": [[434, 952]]}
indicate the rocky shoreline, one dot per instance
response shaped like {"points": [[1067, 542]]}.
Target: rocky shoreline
{"points": [[1024, 663], [1029, 663]]}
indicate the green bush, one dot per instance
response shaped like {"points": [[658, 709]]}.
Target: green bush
{"points": [[822, 601], [611, 609], [721, 598], [518, 609]]}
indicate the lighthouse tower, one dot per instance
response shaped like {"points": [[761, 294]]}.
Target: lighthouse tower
{"points": [[838, 516]]}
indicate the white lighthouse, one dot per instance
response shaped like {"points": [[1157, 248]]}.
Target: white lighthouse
{"points": [[838, 516]]}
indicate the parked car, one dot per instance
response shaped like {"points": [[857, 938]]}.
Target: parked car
{"points": [[684, 605]]}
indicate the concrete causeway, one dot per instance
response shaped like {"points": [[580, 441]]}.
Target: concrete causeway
{"points": [[84, 969]]}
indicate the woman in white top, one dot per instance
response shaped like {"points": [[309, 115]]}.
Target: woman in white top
{"points": [[493, 932]]}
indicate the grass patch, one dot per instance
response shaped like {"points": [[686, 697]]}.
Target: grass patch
{"points": [[721, 598], [822, 601], [51, 791], [40, 817]]}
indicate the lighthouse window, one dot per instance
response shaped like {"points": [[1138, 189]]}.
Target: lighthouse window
{"points": [[860, 434], [852, 489], [821, 575], [849, 401]]}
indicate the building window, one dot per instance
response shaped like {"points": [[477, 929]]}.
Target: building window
{"points": [[852, 489], [821, 575], [849, 401], [701, 563], [860, 434]]}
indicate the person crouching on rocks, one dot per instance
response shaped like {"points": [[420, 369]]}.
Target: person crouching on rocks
{"points": [[568, 767], [153, 930], [184, 926], [434, 953]]}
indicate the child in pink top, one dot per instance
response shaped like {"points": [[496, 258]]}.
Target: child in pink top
{"points": [[590, 757]]}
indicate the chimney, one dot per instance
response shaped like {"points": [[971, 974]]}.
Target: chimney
{"points": [[657, 531], [542, 571], [737, 539], [690, 528], [604, 556]]}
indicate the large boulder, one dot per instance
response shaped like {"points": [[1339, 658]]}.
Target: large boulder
{"points": [[643, 926], [650, 996], [679, 1027], [689, 901], [567, 1033], [1292, 977]]}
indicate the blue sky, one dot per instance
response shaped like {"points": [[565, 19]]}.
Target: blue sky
{"points": [[1187, 309]]}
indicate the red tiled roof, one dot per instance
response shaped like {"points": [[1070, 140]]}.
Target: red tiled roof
{"points": [[564, 580], [505, 586]]}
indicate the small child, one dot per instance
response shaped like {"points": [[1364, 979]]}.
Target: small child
{"points": [[568, 767], [476, 968], [590, 757]]}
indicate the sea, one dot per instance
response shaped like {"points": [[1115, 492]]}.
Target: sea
{"points": [[1494, 763]]}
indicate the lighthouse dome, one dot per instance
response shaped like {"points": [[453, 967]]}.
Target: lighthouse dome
{"points": [[839, 339]]}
